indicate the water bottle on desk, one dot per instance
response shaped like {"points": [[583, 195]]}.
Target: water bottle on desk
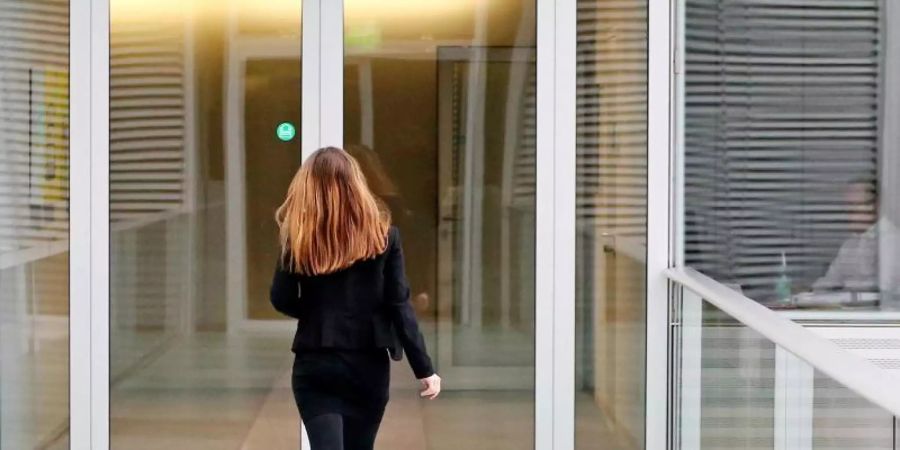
{"points": [[783, 285]]}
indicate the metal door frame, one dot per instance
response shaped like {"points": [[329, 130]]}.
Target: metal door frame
{"points": [[322, 124], [240, 51], [555, 190]]}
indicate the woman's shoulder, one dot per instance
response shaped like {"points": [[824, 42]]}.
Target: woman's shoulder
{"points": [[393, 236], [393, 239]]}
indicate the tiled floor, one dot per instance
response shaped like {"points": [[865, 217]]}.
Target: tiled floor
{"points": [[215, 391], [34, 390]]}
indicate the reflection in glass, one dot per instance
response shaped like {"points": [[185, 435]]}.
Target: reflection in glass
{"points": [[737, 389], [197, 169], [610, 288], [439, 102], [791, 151], [34, 224], [272, 97]]}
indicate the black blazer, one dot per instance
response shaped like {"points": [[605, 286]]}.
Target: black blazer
{"points": [[363, 306]]}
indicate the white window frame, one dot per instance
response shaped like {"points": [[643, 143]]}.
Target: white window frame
{"points": [[79, 224], [663, 222], [89, 224], [322, 124], [555, 225]]}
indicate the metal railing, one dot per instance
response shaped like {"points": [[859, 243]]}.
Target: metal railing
{"points": [[746, 376]]}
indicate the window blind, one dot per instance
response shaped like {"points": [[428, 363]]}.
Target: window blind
{"points": [[148, 114], [781, 116], [34, 147], [611, 140], [147, 121]]}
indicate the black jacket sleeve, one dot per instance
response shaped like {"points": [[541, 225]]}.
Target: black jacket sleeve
{"points": [[285, 292], [401, 311]]}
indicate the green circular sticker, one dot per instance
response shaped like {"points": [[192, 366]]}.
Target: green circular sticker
{"points": [[285, 131]]}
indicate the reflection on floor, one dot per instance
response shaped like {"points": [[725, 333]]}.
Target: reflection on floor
{"points": [[203, 392], [34, 392], [219, 391]]}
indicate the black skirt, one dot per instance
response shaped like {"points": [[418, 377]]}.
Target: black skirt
{"points": [[352, 383]]}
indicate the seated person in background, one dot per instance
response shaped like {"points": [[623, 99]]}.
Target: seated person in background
{"points": [[856, 266]]}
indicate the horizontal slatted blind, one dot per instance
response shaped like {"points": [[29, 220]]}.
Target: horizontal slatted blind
{"points": [[147, 121], [524, 161], [34, 147], [34, 185], [612, 116], [781, 116], [147, 118]]}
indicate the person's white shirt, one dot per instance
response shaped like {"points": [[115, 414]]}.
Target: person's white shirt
{"points": [[856, 266]]}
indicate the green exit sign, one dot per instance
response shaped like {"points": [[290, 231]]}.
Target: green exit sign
{"points": [[366, 36], [285, 131]]}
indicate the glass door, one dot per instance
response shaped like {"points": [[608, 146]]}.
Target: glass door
{"points": [[485, 253], [204, 121], [439, 106], [437, 100], [34, 224]]}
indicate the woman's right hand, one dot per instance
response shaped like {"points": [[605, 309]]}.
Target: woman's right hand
{"points": [[431, 387]]}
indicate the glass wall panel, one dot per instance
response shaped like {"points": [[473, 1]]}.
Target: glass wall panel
{"points": [[791, 146], [736, 389], [611, 208], [439, 106], [204, 138], [34, 224]]}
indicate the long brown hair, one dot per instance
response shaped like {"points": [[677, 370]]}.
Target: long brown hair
{"points": [[330, 219]]}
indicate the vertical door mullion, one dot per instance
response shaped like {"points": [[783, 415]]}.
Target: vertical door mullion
{"points": [[564, 230], [99, 229], [310, 97], [89, 225], [322, 89], [323, 68], [555, 226], [79, 224], [331, 72], [543, 252], [660, 210]]}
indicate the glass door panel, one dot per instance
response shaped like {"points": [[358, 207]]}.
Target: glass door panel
{"points": [[271, 157], [34, 225], [486, 227], [611, 221], [198, 163], [439, 107]]}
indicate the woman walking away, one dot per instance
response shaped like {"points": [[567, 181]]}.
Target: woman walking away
{"points": [[341, 275]]}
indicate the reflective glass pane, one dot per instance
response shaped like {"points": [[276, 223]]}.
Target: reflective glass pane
{"points": [[204, 137], [737, 389], [611, 208], [34, 224], [439, 106], [790, 139]]}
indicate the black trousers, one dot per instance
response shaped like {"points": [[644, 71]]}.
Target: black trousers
{"points": [[341, 396], [337, 432]]}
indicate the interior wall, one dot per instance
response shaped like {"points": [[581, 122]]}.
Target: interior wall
{"points": [[271, 96], [209, 56]]}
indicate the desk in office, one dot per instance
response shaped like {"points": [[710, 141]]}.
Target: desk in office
{"points": [[856, 308], [868, 329]]}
